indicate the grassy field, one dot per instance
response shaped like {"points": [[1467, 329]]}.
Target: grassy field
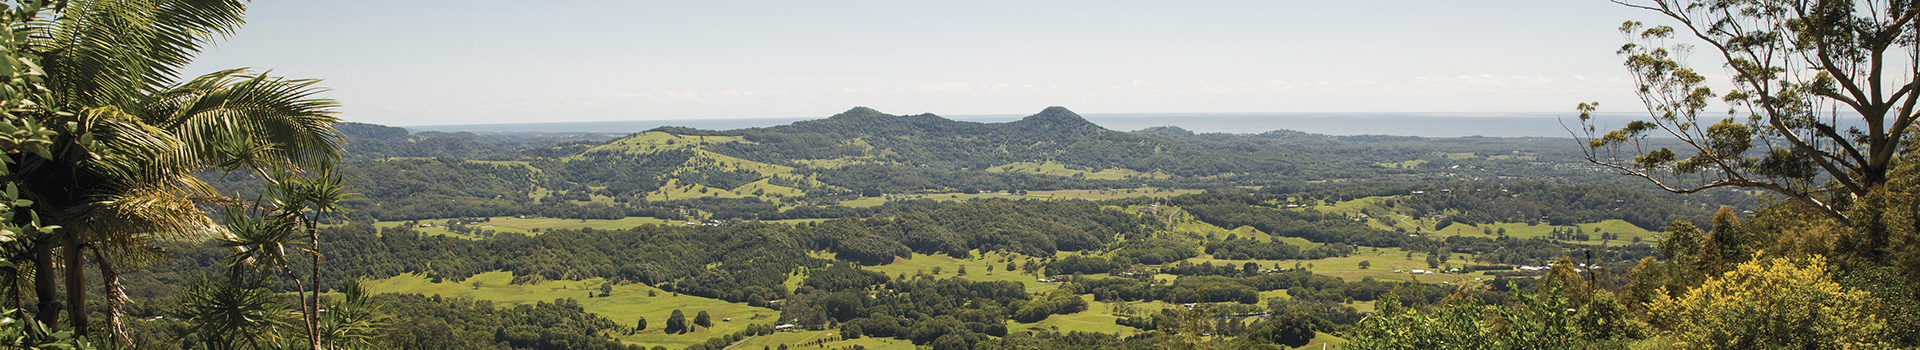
{"points": [[1382, 264], [1186, 224], [1398, 220], [796, 339], [1382, 261], [654, 141], [674, 189], [976, 268], [627, 304], [650, 142], [1323, 341], [1098, 317]]}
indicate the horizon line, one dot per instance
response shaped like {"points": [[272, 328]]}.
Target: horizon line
{"points": [[959, 117]]}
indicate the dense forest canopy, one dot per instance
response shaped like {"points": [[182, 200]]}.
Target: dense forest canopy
{"points": [[811, 170], [1288, 196]]}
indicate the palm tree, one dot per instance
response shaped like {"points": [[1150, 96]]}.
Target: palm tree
{"points": [[118, 172]]}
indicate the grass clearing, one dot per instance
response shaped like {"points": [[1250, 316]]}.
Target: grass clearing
{"points": [[654, 141], [1390, 219], [977, 269], [1382, 262], [1323, 341], [796, 339], [1098, 317], [626, 305]]}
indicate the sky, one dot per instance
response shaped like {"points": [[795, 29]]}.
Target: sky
{"points": [[425, 62]]}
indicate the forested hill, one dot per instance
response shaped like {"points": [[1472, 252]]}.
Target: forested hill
{"points": [[1054, 135], [814, 164], [372, 141]]}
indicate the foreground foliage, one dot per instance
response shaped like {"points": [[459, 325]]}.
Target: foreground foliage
{"points": [[1781, 302]]}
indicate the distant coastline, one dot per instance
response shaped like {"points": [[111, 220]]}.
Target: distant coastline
{"points": [[1488, 124]]}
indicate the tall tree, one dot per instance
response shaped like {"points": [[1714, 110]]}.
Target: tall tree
{"points": [[127, 136], [1798, 69]]}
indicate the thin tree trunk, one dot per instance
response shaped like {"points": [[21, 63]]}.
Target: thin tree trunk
{"points": [[76, 284], [43, 284], [313, 314], [300, 293], [116, 297]]}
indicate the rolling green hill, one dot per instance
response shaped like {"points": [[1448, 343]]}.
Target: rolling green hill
{"points": [[765, 173]]}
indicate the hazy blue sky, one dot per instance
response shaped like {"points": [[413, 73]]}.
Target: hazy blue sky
{"points": [[485, 61]]}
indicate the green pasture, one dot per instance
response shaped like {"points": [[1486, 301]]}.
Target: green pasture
{"points": [[1097, 318], [654, 141], [1382, 263], [626, 305], [1186, 224], [976, 268], [1323, 341], [1426, 226], [794, 340]]}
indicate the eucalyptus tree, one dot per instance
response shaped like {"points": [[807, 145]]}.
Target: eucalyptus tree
{"points": [[1819, 95], [128, 135]]}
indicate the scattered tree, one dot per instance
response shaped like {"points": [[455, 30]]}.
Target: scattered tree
{"points": [[676, 323]]}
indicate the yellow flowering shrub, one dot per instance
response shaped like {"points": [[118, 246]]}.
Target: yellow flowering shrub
{"points": [[1776, 303]]}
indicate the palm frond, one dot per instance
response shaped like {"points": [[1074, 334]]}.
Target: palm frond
{"points": [[105, 52], [211, 112], [127, 223]]}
